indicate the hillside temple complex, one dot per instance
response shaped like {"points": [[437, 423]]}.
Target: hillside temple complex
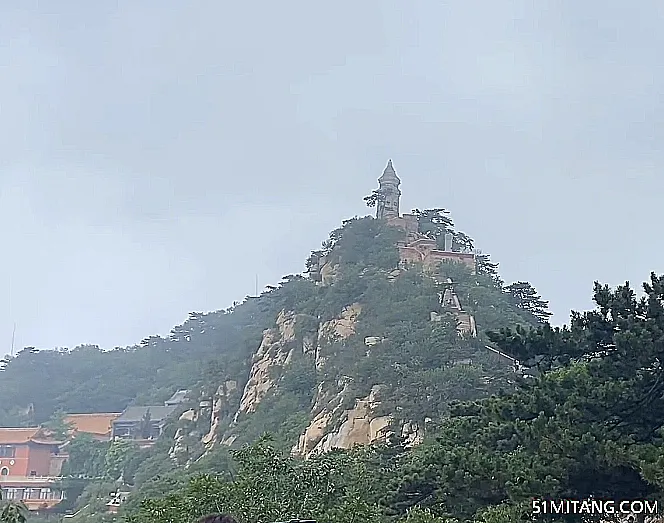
{"points": [[416, 248]]}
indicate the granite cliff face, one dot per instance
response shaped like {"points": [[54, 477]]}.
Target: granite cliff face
{"points": [[331, 425], [337, 415], [276, 350], [354, 370]]}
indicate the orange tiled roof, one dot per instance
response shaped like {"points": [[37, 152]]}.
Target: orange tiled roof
{"points": [[17, 436], [97, 423]]}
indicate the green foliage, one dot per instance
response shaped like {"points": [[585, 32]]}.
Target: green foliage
{"points": [[118, 455], [365, 243], [504, 513], [418, 364], [425, 515], [156, 487], [436, 223], [13, 512], [73, 488], [136, 460], [487, 269], [332, 487], [219, 462], [145, 427], [588, 427], [526, 298], [93, 501], [292, 293], [157, 464], [377, 196], [300, 379], [57, 425], [88, 379], [87, 457], [284, 414], [481, 296]]}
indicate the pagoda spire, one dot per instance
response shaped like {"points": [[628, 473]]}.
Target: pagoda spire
{"points": [[389, 174]]}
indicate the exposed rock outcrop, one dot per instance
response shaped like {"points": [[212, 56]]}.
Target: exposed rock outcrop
{"points": [[412, 434], [329, 273], [342, 327], [358, 426], [336, 330], [188, 415], [276, 349], [220, 408], [187, 421], [370, 341], [333, 424]]}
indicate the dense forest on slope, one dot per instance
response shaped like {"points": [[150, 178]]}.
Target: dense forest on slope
{"points": [[210, 345], [422, 367], [88, 379], [589, 425]]}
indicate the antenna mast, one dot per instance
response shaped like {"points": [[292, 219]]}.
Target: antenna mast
{"points": [[13, 339]]}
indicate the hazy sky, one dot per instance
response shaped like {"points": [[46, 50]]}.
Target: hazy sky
{"points": [[156, 155]]}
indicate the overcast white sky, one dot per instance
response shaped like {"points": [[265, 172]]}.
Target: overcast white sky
{"points": [[156, 155]]}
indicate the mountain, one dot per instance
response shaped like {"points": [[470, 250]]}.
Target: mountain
{"points": [[467, 404], [382, 334], [364, 346]]}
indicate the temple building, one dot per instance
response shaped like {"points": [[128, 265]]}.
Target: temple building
{"points": [[30, 464], [420, 249], [98, 425], [142, 424], [415, 249]]}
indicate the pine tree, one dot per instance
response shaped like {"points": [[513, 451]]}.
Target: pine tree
{"points": [[486, 267], [13, 512], [374, 198], [434, 223], [146, 425], [525, 297]]}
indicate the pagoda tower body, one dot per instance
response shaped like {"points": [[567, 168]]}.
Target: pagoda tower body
{"points": [[388, 203]]}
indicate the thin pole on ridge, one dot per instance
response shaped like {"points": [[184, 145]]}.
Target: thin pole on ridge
{"points": [[13, 340]]}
